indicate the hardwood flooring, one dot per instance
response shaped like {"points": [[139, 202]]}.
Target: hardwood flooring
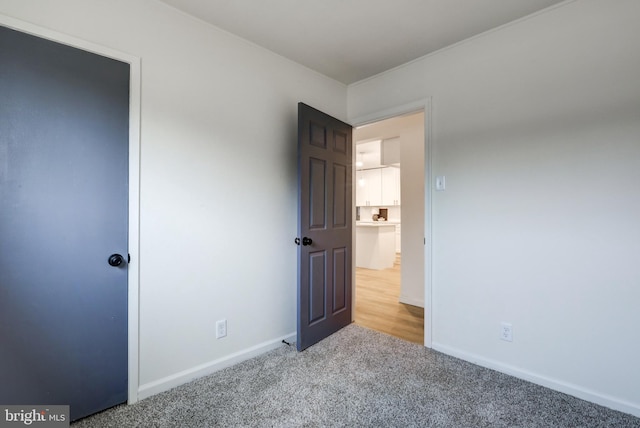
{"points": [[378, 308]]}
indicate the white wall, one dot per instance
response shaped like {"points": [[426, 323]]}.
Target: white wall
{"points": [[536, 127], [218, 139], [412, 183]]}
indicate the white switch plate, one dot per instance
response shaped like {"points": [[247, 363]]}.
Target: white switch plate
{"points": [[221, 329], [440, 183]]}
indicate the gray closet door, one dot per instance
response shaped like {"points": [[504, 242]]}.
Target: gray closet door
{"points": [[64, 124]]}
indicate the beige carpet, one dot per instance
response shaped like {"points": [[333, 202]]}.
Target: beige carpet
{"points": [[359, 378]]}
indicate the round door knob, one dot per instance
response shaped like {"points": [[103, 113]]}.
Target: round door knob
{"points": [[115, 260], [306, 241]]}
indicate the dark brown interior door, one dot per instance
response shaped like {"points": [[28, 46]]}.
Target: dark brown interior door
{"points": [[324, 225]]}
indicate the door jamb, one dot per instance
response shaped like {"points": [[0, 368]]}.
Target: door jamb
{"points": [[133, 278], [426, 106]]}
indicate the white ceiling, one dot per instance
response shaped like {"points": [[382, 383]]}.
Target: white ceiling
{"points": [[350, 40]]}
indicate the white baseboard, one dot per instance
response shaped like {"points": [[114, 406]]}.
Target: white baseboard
{"points": [[411, 301], [557, 385], [185, 376]]}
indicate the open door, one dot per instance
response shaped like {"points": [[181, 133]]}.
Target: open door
{"points": [[324, 225]]}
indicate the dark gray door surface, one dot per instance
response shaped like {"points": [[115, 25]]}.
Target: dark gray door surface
{"points": [[64, 124], [324, 225]]}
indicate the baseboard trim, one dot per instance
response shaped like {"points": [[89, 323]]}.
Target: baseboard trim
{"points": [[185, 376], [411, 301], [557, 385]]}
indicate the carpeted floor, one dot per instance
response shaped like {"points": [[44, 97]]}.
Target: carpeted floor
{"points": [[359, 378]]}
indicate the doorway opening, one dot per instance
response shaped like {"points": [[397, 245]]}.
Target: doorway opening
{"points": [[389, 164]]}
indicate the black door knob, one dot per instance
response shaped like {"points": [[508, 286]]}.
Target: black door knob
{"points": [[306, 241], [115, 260]]}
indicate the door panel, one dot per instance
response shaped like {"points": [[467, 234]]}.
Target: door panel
{"points": [[317, 286], [340, 203], [340, 280], [317, 193], [325, 215], [64, 125]]}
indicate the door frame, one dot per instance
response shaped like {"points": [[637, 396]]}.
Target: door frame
{"points": [[133, 285], [424, 105]]}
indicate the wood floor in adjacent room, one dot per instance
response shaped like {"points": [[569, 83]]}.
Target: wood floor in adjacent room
{"points": [[378, 308]]}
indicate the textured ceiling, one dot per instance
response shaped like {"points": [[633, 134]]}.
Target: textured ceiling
{"points": [[350, 40]]}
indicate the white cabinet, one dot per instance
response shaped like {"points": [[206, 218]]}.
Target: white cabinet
{"points": [[390, 186], [369, 187], [378, 187], [361, 189]]}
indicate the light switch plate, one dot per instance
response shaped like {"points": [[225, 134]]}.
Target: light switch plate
{"points": [[221, 329], [440, 183]]}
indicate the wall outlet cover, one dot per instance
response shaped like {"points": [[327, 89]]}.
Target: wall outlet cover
{"points": [[506, 332]]}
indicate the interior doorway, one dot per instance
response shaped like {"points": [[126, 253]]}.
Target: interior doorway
{"points": [[389, 164]]}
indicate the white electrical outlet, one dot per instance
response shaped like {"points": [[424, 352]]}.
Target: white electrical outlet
{"points": [[221, 329], [506, 332]]}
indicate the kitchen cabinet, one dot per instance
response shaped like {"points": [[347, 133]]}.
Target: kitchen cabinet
{"points": [[369, 188], [390, 179], [378, 187]]}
